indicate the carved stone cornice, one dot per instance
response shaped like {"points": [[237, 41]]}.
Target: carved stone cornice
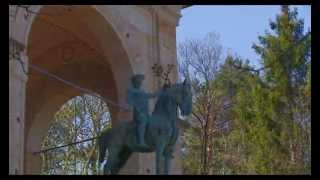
{"points": [[15, 49], [169, 14], [13, 11], [18, 60]]}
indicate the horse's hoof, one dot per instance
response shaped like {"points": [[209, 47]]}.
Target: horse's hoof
{"points": [[144, 146]]}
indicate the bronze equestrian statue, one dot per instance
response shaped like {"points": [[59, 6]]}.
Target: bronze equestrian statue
{"points": [[158, 132]]}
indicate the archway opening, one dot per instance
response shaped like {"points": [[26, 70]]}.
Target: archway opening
{"points": [[81, 47], [79, 119]]}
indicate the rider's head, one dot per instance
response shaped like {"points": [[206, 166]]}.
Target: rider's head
{"points": [[137, 80]]}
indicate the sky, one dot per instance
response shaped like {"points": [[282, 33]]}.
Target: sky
{"points": [[238, 25]]}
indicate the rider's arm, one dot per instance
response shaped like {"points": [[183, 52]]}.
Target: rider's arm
{"points": [[130, 97]]}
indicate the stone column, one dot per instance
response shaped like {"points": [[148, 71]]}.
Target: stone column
{"points": [[167, 20], [146, 161], [17, 91]]}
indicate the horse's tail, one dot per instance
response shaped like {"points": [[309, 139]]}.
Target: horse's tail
{"points": [[103, 143]]}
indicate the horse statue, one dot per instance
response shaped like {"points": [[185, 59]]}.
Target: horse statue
{"points": [[160, 136]]}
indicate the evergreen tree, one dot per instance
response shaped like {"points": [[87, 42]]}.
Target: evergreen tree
{"points": [[267, 111], [270, 111]]}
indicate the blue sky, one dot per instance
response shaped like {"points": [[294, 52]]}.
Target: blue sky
{"points": [[238, 26]]}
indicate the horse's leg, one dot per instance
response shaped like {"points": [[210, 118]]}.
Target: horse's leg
{"points": [[167, 164], [112, 161], [114, 166], [159, 156], [107, 167], [168, 157], [122, 158]]}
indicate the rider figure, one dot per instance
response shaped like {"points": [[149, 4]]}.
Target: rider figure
{"points": [[138, 98]]}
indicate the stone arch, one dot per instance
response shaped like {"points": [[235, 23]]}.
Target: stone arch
{"points": [[81, 46]]}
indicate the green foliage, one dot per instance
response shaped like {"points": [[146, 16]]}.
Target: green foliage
{"points": [[192, 164], [269, 118], [80, 118]]}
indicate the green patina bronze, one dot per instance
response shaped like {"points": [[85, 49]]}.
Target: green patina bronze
{"points": [[156, 133], [138, 98]]}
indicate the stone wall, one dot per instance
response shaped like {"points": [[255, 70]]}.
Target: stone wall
{"points": [[126, 39]]}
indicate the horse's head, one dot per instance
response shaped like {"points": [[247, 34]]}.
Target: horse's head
{"points": [[181, 93]]}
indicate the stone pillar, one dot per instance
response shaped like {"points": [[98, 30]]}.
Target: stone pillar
{"points": [[147, 161], [167, 18], [17, 91]]}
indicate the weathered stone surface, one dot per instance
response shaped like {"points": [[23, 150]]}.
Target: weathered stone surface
{"points": [[17, 86], [97, 47]]}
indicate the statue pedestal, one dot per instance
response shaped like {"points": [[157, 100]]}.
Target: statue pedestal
{"points": [[147, 163], [144, 163]]}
